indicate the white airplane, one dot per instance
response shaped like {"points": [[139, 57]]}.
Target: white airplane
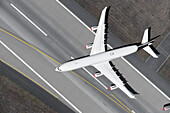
{"points": [[100, 58]]}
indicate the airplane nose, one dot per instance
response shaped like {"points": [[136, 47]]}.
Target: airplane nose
{"points": [[57, 69]]}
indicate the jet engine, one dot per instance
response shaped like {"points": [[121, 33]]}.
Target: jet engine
{"points": [[97, 74], [113, 86], [93, 28], [88, 46]]}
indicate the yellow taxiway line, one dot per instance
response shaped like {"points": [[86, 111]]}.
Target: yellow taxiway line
{"points": [[28, 77], [125, 108], [121, 103]]}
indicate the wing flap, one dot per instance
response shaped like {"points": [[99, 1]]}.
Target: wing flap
{"points": [[107, 70]]}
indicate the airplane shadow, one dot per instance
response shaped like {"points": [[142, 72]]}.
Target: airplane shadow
{"points": [[122, 79]]}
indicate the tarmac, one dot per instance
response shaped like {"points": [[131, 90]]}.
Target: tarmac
{"points": [[67, 37]]}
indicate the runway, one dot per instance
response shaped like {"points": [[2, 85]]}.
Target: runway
{"points": [[137, 62], [66, 37]]}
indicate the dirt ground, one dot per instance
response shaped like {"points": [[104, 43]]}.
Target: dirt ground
{"points": [[129, 18], [14, 99]]}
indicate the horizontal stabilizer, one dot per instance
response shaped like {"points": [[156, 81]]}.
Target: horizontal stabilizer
{"points": [[147, 43], [149, 50]]}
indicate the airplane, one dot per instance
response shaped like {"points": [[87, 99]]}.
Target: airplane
{"points": [[100, 57]]}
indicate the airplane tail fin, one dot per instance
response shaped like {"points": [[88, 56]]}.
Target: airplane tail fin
{"points": [[147, 43]]}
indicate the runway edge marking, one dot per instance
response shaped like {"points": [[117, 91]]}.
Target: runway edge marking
{"points": [[146, 79], [56, 62], [78, 20], [28, 77], [39, 76], [110, 46], [28, 45], [28, 19], [100, 91]]}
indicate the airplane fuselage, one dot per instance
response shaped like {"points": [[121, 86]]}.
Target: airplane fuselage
{"points": [[98, 58]]}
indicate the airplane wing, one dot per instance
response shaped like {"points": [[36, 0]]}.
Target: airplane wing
{"points": [[99, 41], [106, 69], [99, 46]]}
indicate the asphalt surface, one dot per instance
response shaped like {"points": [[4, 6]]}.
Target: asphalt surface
{"points": [[59, 80], [164, 50], [33, 89], [138, 63], [70, 89], [67, 37]]}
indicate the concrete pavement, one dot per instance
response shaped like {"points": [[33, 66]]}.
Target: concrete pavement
{"points": [[64, 32], [164, 50]]}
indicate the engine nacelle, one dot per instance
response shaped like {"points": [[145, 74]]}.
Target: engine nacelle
{"points": [[97, 74], [93, 28], [113, 87], [88, 46]]}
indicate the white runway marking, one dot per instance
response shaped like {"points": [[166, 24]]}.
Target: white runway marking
{"points": [[28, 19], [73, 15], [143, 76], [146, 79], [111, 47], [95, 78], [40, 76]]}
